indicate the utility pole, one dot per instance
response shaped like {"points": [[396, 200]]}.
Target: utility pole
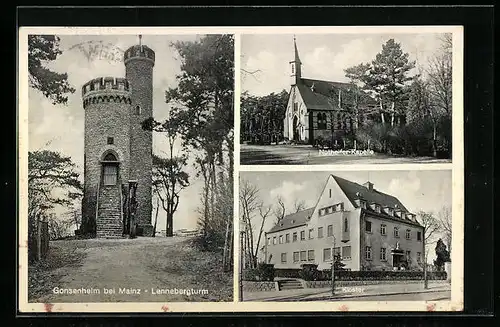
{"points": [[333, 266]]}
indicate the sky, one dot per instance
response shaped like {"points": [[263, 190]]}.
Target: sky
{"points": [[323, 57], [61, 127], [427, 190]]}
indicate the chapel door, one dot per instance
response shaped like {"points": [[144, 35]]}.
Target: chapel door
{"points": [[295, 129]]}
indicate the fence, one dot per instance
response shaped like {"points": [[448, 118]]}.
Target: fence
{"points": [[38, 246]]}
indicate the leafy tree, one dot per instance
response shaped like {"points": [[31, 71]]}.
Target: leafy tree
{"points": [[442, 255], [202, 108], [52, 181], [262, 117], [53, 85], [169, 179]]}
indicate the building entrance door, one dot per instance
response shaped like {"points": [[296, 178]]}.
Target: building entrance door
{"points": [[397, 259], [295, 128]]}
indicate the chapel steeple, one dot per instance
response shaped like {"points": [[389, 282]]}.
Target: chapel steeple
{"points": [[295, 66]]}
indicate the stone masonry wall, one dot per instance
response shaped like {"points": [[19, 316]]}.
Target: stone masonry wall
{"points": [[249, 286], [139, 73], [104, 119]]}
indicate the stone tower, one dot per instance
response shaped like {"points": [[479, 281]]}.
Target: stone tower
{"points": [[117, 149]]}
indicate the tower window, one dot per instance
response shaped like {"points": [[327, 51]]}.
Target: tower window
{"points": [[111, 140], [110, 174], [138, 110]]}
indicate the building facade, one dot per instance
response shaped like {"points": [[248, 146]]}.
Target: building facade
{"points": [[371, 230], [319, 109], [118, 152]]}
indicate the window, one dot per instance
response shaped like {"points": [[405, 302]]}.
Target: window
{"points": [[274, 240], [333, 209], [383, 254], [302, 235], [368, 252], [281, 239], [383, 229], [287, 238], [377, 208], [295, 107], [362, 203], [283, 258], [419, 257], [346, 252], [268, 241], [293, 69], [346, 225], [320, 232], [329, 231], [368, 226], [327, 254], [294, 237], [321, 212], [111, 140], [138, 110], [419, 236], [311, 231], [296, 257], [330, 192], [310, 255], [396, 232], [336, 252], [303, 256], [321, 120], [408, 234], [110, 174]]}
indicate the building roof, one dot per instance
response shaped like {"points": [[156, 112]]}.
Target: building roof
{"points": [[351, 190], [323, 95], [293, 220]]}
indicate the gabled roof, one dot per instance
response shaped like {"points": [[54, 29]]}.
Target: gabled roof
{"points": [[323, 95], [293, 220], [350, 189]]}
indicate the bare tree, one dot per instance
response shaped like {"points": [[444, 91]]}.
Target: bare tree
{"points": [[431, 226], [280, 209], [299, 205], [445, 222], [248, 205]]}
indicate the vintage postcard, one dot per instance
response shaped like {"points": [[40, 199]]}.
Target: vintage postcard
{"points": [[240, 169], [126, 150]]}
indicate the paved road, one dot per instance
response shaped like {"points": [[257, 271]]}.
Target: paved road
{"points": [[305, 154], [380, 292], [134, 269]]}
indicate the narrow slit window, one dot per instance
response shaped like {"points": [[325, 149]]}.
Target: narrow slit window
{"points": [[138, 110]]}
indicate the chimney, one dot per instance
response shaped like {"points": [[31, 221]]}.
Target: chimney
{"points": [[368, 185]]}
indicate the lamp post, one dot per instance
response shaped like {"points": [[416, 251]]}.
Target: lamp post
{"points": [[333, 266]]}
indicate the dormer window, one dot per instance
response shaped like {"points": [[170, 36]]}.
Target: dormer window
{"points": [[363, 204], [377, 208]]}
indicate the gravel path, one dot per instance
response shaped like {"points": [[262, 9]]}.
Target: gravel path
{"points": [[126, 270]]}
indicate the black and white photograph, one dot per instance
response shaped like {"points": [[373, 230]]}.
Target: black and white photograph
{"points": [[352, 98], [130, 167], [346, 236]]}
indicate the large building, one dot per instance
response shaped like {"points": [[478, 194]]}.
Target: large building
{"points": [[118, 152], [319, 109], [371, 230]]}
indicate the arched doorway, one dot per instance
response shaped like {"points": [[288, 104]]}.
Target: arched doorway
{"points": [[296, 128]]}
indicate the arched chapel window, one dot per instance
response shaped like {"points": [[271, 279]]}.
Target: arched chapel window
{"points": [[110, 170]]}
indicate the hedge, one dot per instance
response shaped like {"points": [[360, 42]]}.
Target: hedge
{"points": [[345, 275]]}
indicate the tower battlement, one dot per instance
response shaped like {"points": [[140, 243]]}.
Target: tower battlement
{"points": [[106, 89], [139, 52]]}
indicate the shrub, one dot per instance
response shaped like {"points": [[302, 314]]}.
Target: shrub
{"points": [[309, 272], [250, 274], [265, 271]]}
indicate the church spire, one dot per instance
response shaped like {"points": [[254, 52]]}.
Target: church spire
{"points": [[295, 65], [297, 59]]}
